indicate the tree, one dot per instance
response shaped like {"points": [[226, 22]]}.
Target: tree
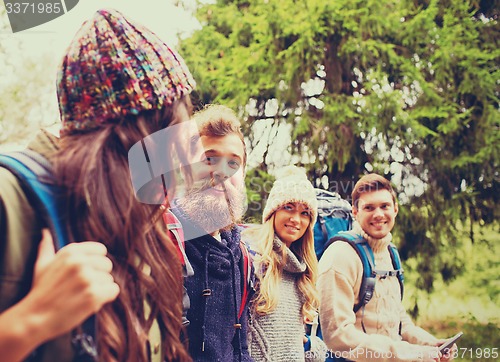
{"points": [[27, 93], [405, 88]]}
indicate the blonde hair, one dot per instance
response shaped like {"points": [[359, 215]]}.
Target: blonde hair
{"points": [[269, 268]]}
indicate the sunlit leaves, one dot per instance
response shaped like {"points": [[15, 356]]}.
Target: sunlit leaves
{"points": [[409, 89]]}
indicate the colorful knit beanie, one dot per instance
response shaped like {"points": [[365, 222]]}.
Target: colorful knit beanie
{"points": [[114, 68], [291, 185]]}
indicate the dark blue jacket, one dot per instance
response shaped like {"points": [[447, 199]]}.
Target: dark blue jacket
{"points": [[215, 296]]}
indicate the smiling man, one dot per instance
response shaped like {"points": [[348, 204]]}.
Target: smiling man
{"points": [[379, 330], [209, 208], [215, 195]]}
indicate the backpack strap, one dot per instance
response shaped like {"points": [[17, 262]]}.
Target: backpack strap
{"points": [[365, 253], [176, 233], [247, 282], [321, 221], [174, 228], [398, 269], [367, 258], [35, 176]]}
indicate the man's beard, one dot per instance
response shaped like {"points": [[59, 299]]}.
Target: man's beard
{"points": [[213, 212]]}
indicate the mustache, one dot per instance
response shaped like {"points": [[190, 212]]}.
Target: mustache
{"points": [[205, 184], [214, 211]]}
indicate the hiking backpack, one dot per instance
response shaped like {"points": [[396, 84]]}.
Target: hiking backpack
{"points": [[176, 233], [334, 222], [34, 173], [370, 273], [334, 216]]}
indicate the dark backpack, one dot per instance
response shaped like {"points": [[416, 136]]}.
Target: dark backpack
{"points": [[35, 176], [334, 216]]}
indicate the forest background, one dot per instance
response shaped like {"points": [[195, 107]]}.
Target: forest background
{"points": [[405, 88]]}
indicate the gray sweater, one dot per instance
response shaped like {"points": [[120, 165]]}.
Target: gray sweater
{"points": [[278, 336]]}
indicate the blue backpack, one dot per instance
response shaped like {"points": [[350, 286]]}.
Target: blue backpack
{"points": [[370, 273], [334, 216], [34, 173], [334, 224]]}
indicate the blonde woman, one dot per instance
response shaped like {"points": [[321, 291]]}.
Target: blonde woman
{"points": [[286, 271]]}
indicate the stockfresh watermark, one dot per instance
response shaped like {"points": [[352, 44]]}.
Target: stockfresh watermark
{"points": [[27, 14]]}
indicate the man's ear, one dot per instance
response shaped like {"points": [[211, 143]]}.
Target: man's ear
{"points": [[354, 211], [396, 208]]}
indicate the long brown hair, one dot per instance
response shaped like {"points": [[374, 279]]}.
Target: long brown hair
{"points": [[93, 167]]}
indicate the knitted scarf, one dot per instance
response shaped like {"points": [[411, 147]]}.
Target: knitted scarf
{"points": [[376, 244]]}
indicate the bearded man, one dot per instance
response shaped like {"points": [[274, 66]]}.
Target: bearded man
{"points": [[209, 208]]}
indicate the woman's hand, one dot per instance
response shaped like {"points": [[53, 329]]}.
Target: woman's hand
{"points": [[68, 287]]}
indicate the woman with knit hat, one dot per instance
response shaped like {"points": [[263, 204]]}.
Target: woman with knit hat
{"points": [[117, 85], [381, 330], [285, 266]]}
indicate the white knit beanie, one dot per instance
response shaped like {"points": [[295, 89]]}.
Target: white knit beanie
{"points": [[291, 185]]}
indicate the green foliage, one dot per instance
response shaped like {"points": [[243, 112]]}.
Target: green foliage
{"points": [[258, 184], [409, 90], [469, 302], [477, 342], [467, 286], [482, 265]]}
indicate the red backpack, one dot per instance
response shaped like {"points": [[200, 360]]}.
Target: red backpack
{"points": [[176, 233]]}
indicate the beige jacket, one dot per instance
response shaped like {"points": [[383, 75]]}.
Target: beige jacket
{"points": [[340, 276]]}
